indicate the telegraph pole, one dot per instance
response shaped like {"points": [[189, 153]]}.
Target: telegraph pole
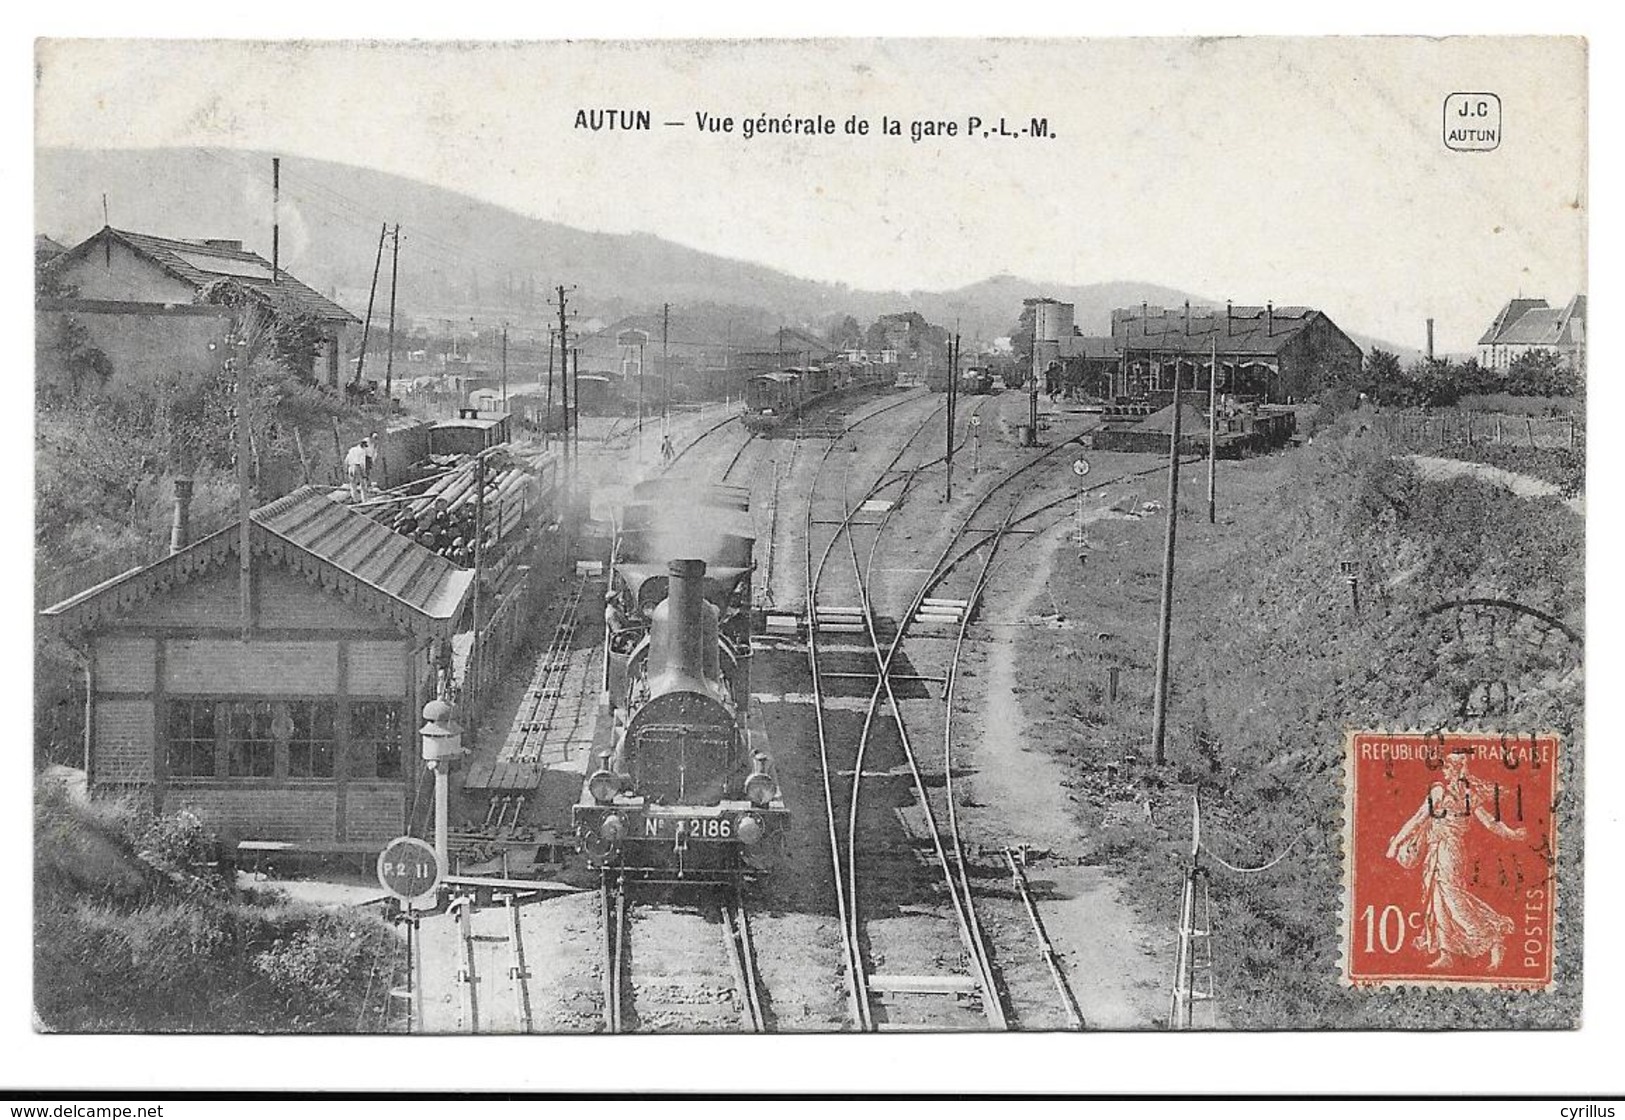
{"points": [[276, 217], [372, 293], [564, 357], [504, 367], [394, 274], [575, 366], [1212, 426], [547, 429], [1032, 390], [953, 390], [236, 362], [665, 368], [1159, 725]]}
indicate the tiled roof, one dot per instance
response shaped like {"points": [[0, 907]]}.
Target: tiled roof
{"points": [[1511, 313], [361, 547], [200, 263], [331, 544], [1246, 330], [1530, 322]]}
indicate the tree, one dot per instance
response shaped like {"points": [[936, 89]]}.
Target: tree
{"points": [[847, 334], [1539, 373], [66, 363], [1381, 366]]}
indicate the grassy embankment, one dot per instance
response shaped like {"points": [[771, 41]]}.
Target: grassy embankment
{"points": [[134, 930], [1271, 665]]}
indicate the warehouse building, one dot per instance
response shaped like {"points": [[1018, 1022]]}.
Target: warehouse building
{"points": [[1269, 354], [277, 699]]}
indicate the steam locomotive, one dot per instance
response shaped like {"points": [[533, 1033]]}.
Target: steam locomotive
{"points": [[681, 785]]}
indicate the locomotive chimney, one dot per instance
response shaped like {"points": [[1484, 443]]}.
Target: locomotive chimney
{"points": [[677, 656]]}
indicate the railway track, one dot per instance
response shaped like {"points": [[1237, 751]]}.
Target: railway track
{"points": [[676, 992], [859, 978], [492, 978], [934, 793]]}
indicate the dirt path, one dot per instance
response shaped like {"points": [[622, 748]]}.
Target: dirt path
{"points": [[1434, 468], [1115, 963]]}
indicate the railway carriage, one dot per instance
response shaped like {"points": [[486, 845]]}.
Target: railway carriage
{"points": [[681, 785], [472, 432], [774, 399]]}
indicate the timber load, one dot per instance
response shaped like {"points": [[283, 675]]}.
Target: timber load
{"points": [[442, 512]]}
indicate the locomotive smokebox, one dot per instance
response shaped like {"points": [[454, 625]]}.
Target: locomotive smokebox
{"points": [[679, 630]]}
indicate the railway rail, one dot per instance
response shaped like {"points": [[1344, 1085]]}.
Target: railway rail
{"points": [[942, 828], [492, 983], [688, 1000]]}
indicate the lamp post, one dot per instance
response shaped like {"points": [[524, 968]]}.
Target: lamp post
{"points": [[442, 745]]}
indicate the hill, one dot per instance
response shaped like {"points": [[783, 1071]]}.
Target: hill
{"points": [[462, 258]]}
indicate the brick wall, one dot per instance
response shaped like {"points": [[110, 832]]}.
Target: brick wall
{"points": [[374, 813], [377, 669], [245, 812], [225, 666], [125, 664], [124, 738]]}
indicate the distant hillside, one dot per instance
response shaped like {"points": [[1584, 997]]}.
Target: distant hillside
{"points": [[462, 258]]}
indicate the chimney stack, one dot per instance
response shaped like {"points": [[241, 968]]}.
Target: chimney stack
{"points": [[1430, 339], [1187, 317], [1269, 319], [180, 530], [1227, 314], [677, 660]]}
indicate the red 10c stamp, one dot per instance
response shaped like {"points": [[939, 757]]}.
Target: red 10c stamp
{"points": [[1450, 852]]}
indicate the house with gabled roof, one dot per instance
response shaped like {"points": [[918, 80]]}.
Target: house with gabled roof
{"points": [[138, 295], [276, 699], [1524, 325]]}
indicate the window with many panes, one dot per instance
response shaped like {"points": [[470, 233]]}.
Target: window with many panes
{"points": [[191, 737], [250, 739], [375, 739], [310, 741]]}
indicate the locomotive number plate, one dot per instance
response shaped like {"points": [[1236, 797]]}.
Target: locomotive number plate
{"points": [[695, 828]]}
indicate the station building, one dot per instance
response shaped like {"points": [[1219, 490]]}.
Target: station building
{"points": [[277, 699]]}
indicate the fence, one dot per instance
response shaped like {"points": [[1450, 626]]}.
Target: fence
{"points": [[1431, 431]]}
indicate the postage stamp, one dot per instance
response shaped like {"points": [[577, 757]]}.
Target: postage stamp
{"points": [[1449, 851]]}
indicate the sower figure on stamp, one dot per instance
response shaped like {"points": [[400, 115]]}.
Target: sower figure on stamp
{"points": [[1455, 921]]}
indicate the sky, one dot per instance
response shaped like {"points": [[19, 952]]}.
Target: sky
{"points": [[1303, 171]]}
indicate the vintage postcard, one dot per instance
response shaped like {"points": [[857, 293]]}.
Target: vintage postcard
{"points": [[827, 535]]}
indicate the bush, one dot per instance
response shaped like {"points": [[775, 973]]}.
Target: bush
{"points": [[134, 930]]}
